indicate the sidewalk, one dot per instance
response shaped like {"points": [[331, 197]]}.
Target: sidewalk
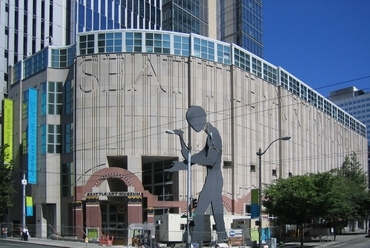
{"points": [[57, 243]]}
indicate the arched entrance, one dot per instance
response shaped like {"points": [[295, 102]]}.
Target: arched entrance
{"points": [[120, 202]]}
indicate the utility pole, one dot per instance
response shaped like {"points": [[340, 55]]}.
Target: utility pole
{"points": [[24, 183], [259, 154], [189, 213]]}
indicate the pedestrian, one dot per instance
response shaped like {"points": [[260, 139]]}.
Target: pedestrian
{"points": [[4, 231], [25, 233]]}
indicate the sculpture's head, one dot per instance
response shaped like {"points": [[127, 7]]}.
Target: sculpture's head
{"points": [[196, 117]]}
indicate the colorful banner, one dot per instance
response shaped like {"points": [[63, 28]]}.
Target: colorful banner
{"points": [[29, 206], [8, 129], [32, 135], [255, 210]]}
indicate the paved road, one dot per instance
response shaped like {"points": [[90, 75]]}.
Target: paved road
{"points": [[355, 243], [354, 240], [348, 240]]}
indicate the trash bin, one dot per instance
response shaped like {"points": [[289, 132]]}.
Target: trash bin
{"points": [[271, 242]]}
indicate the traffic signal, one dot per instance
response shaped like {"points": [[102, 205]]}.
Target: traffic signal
{"points": [[195, 203], [120, 209]]}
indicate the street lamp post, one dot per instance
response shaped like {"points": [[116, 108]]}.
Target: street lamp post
{"points": [[24, 183], [259, 154], [188, 211]]}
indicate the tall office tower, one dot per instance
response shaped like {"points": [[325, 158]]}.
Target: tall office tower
{"points": [[240, 22], [357, 103], [28, 27], [189, 16], [92, 15]]}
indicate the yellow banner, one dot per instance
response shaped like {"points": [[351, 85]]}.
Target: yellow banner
{"points": [[29, 201], [8, 129], [29, 206]]}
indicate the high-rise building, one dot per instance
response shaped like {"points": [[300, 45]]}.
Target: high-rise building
{"points": [[186, 16], [356, 102], [240, 22], [28, 27], [232, 21], [92, 15]]}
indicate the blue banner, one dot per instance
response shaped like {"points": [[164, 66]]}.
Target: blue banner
{"points": [[29, 206], [255, 211], [32, 135], [255, 207]]}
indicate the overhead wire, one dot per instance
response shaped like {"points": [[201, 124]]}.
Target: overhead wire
{"points": [[218, 112]]}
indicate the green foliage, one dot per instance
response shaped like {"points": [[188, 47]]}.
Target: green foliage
{"points": [[332, 196], [356, 185], [337, 194], [352, 171], [291, 199], [6, 183]]}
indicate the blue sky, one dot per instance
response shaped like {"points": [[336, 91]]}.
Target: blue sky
{"points": [[321, 42]]}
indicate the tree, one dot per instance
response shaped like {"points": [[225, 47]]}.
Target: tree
{"points": [[6, 182], [332, 198], [292, 200], [302, 199], [356, 183]]}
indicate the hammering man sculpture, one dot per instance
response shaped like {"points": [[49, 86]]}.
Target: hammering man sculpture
{"points": [[210, 157]]}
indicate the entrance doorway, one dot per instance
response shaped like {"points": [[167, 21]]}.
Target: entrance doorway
{"points": [[113, 216]]}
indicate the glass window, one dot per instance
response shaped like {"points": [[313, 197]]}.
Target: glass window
{"points": [[303, 94], [181, 45], [68, 138], [25, 104], [96, 21], [36, 63], [17, 71], [87, 43], [67, 179], [256, 67], [284, 80], [68, 98], [62, 57], [54, 98], [53, 139], [24, 143], [294, 86], [270, 74]]}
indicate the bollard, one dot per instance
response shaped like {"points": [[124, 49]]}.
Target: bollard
{"points": [[281, 244]]}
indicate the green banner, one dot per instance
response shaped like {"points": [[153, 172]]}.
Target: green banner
{"points": [[8, 129], [254, 197]]}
